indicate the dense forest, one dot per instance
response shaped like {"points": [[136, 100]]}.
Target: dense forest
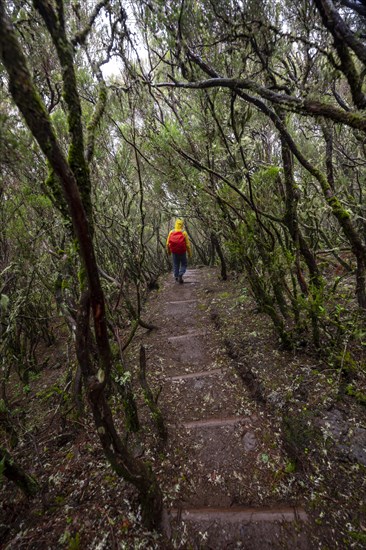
{"points": [[246, 118]]}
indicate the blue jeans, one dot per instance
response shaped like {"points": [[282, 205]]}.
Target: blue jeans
{"points": [[179, 264]]}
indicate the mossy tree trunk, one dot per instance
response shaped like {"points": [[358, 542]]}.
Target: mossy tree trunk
{"points": [[266, 302], [300, 244], [150, 400], [10, 469], [216, 246], [29, 103]]}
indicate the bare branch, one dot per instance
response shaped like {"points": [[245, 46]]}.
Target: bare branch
{"points": [[81, 36], [301, 106], [356, 6]]}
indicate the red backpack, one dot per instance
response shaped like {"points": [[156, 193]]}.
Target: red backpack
{"points": [[177, 242]]}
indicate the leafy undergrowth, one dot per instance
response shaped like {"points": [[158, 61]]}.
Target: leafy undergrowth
{"points": [[308, 442], [82, 502], [319, 422]]}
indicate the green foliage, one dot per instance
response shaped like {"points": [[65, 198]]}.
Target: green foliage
{"points": [[344, 361], [53, 391], [239, 246], [39, 201], [169, 133], [290, 467], [358, 536], [268, 175], [82, 278], [213, 156], [123, 377], [74, 543], [300, 435], [357, 394], [4, 302], [59, 121]]}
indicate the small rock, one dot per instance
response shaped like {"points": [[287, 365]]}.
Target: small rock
{"points": [[358, 446], [276, 399], [249, 441]]}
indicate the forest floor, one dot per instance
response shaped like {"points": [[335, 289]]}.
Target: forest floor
{"points": [[262, 451]]}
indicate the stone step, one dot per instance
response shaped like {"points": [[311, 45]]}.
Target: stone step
{"points": [[187, 336], [215, 422], [188, 279], [242, 514], [247, 528], [182, 301], [191, 281], [193, 375]]}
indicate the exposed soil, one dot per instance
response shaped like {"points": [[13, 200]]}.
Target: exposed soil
{"points": [[261, 452]]}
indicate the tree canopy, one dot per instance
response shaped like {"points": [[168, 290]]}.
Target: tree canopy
{"points": [[247, 118]]}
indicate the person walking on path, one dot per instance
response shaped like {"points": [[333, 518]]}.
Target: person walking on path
{"points": [[178, 245]]}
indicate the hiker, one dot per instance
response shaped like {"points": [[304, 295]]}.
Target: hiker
{"points": [[178, 244]]}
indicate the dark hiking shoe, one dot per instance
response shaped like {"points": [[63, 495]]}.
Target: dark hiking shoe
{"points": [[180, 278], [177, 278]]}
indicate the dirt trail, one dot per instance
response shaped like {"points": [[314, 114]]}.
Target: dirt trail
{"points": [[219, 488]]}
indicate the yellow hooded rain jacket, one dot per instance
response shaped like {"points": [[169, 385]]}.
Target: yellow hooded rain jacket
{"points": [[179, 227]]}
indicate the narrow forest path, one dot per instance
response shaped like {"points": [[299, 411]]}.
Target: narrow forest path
{"points": [[215, 466]]}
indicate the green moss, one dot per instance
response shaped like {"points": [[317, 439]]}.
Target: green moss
{"points": [[358, 395], [52, 184], [37, 99], [358, 536], [54, 391], [81, 172], [345, 362], [338, 209], [82, 278], [110, 480], [357, 119], [290, 467], [74, 543]]}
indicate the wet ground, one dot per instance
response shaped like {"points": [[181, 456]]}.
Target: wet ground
{"points": [[263, 451], [218, 440]]}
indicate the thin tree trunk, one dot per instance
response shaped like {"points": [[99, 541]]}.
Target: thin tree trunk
{"points": [[117, 453], [216, 243], [28, 484], [265, 300], [149, 398], [341, 214]]}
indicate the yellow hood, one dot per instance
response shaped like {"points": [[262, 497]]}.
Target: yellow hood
{"points": [[179, 225]]}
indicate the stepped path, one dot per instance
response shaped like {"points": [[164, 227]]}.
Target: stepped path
{"points": [[215, 471]]}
